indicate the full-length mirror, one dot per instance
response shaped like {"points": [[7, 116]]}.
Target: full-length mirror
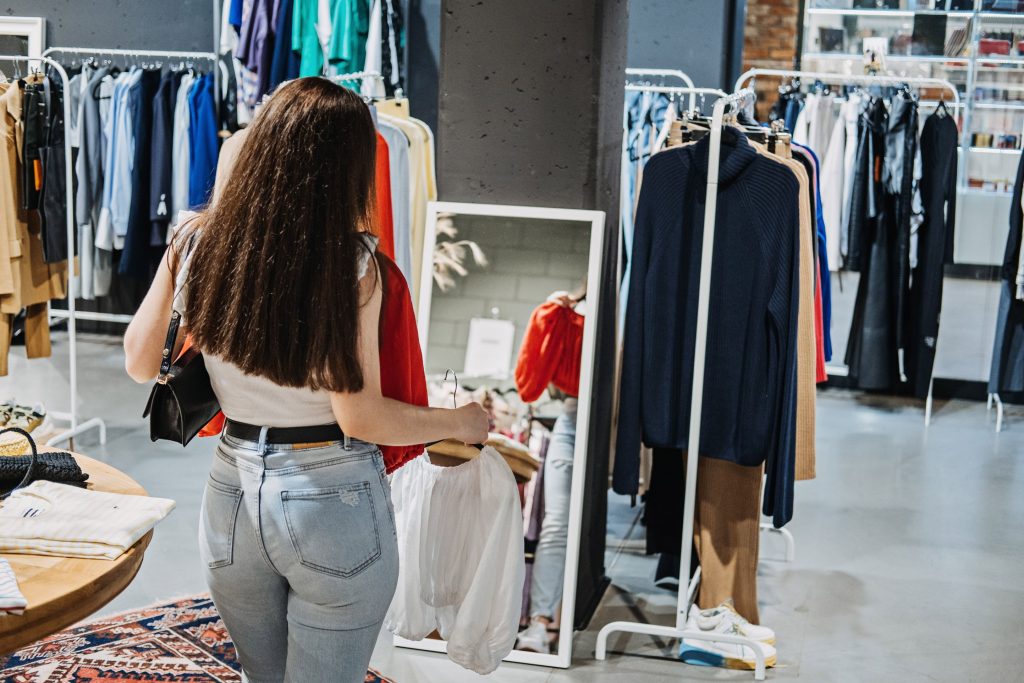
{"points": [[503, 304]]}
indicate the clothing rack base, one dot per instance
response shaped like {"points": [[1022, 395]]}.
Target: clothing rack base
{"points": [[686, 598], [994, 399]]}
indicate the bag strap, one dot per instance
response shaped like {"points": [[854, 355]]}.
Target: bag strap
{"points": [[172, 328], [30, 473], [172, 336]]}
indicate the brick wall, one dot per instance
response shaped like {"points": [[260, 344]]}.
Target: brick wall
{"points": [[528, 259], [770, 41]]}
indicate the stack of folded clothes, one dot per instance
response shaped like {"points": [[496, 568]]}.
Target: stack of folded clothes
{"points": [[45, 518], [11, 599]]}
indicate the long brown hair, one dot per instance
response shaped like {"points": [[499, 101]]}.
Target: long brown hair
{"points": [[273, 285]]}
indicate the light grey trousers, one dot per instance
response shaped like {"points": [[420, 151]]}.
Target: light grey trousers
{"points": [[301, 556]]}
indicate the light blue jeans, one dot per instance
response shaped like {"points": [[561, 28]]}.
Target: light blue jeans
{"points": [[549, 558], [301, 556]]}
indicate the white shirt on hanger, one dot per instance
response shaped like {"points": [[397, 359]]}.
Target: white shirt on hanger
{"points": [[179, 148]]}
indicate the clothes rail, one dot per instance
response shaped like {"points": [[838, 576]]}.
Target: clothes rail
{"points": [[664, 74], [851, 79], [887, 80], [685, 598], [157, 54], [357, 76], [75, 428], [165, 54], [693, 92]]}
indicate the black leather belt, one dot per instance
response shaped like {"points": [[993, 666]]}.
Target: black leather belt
{"points": [[285, 435]]}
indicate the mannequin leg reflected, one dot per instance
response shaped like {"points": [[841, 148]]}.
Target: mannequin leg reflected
{"points": [[549, 560]]}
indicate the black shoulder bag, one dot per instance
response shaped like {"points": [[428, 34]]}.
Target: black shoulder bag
{"points": [[30, 469], [182, 401], [18, 471]]}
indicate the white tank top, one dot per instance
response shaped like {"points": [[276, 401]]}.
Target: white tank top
{"points": [[257, 400]]}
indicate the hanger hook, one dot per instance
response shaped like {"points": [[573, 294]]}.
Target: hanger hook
{"points": [[456, 389]]}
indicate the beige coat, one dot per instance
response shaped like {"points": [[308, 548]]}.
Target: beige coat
{"points": [[25, 278]]}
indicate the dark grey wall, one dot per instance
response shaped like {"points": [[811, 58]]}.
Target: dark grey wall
{"points": [[531, 113], [152, 24], [704, 38]]}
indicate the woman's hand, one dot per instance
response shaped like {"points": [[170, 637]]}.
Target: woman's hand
{"points": [[563, 299], [471, 424]]}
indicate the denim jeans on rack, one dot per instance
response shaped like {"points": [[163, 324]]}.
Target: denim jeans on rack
{"points": [[549, 559], [301, 556]]}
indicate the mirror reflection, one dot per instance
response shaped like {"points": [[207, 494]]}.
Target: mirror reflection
{"points": [[507, 312]]}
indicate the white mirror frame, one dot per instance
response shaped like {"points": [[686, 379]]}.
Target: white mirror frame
{"points": [[30, 27], [563, 656]]}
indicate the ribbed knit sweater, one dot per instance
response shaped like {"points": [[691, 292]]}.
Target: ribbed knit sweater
{"points": [[749, 410]]}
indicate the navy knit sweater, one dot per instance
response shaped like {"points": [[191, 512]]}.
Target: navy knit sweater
{"points": [[749, 412]]}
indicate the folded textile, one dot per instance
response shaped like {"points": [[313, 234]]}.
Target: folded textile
{"points": [[45, 518], [11, 599], [58, 467]]}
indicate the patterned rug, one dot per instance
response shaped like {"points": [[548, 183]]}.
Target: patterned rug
{"points": [[183, 640]]}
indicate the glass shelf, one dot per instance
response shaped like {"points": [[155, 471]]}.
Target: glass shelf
{"points": [[993, 150], [883, 13], [991, 85], [978, 192], [892, 58]]}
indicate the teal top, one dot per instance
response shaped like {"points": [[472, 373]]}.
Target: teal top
{"points": [[346, 50]]}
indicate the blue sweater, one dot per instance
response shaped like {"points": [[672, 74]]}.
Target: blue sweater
{"points": [[749, 412]]}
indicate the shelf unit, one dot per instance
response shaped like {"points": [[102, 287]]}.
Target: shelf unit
{"points": [[983, 81]]}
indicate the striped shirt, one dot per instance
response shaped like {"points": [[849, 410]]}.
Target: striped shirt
{"points": [[54, 519], [11, 599]]}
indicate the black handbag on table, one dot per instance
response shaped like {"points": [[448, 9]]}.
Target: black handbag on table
{"points": [[30, 470], [182, 401], [18, 471]]}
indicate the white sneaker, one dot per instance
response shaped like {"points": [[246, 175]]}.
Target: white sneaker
{"points": [[707, 619], [535, 638], [722, 655]]}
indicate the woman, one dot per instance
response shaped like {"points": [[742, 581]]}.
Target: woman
{"points": [[280, 292], [549, 557]]}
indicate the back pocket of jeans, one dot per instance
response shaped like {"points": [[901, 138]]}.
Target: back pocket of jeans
{"points": [[333, 530], [217, 529]]}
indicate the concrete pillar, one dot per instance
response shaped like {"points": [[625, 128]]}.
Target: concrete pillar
{"points": [[531, 97]]}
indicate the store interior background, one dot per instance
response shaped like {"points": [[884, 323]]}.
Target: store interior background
{"points": [[909, 542]]}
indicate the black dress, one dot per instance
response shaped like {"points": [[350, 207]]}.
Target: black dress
{"points": [[934, 242], [871, 353], [1007, 374]]}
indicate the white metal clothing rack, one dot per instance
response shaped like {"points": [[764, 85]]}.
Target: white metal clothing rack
{"points": [[75, 428], [866, 80], [692, 91], [71, 313], [685, 598], [664, 74], [122, 318]]}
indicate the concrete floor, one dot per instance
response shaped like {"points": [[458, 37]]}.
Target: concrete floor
{"points": [[909, 544]]}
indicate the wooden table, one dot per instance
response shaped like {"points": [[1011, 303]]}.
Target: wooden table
{"points": [[61, 590]]}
